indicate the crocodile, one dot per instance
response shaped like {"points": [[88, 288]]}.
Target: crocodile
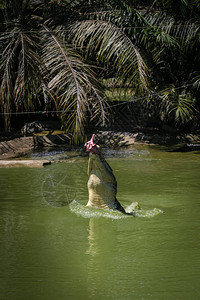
{"points": [[102, 184]]}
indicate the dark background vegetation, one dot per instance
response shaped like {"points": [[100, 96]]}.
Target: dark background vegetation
{"points": [[100, 64]]}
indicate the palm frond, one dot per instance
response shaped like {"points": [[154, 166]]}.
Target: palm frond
{"points": [[177, 107], [173, 31], [74, 84], [112, 47], [20, 69], [196, 81]]}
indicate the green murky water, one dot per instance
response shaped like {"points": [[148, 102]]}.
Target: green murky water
{"points": [[53, 247]]}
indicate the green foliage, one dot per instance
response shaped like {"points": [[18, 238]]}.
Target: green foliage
{"points": [[73, 83], [177, 108], [54, 54], [40, 65], [112, 48]]}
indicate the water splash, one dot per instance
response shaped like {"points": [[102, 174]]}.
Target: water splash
{"points": [[149, 213], [93, 212], [142, 213]]}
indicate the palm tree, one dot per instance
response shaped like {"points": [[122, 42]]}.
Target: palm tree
{"points": [[167, 34], [43, 61], [55, 56], [20, 72]]}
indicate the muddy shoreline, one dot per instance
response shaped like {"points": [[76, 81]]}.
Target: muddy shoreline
{"points": [[17, 147]]}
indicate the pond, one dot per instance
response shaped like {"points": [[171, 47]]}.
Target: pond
{"points": [[53, 247]]}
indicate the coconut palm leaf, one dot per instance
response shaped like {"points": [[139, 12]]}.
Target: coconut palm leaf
{"points": [[177, 107], [19, 69], [112, 47], [174, 30], [196, 81], [144, 29], [74, 84], [118, 36]]}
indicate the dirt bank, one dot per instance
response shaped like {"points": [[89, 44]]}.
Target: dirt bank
{"points": [[21, 146], [120, 139]]}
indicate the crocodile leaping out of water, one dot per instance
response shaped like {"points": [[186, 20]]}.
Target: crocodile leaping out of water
{"points": [[102, 184]]}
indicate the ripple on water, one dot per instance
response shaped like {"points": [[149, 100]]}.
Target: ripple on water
{"points": [[123, 153], [93, 212]]}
